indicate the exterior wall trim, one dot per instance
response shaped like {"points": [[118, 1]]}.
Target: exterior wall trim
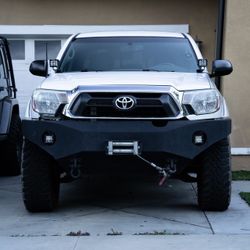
{"points": [[240, 151], [67, 30]]}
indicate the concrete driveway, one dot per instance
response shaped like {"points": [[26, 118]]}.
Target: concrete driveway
{"points": [[124, 212]]}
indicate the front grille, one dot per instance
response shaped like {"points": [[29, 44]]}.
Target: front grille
{"points": [[148, 105]]}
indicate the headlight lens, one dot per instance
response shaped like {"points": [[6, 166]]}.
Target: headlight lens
{"points": [[203, 101], [47, 102]]}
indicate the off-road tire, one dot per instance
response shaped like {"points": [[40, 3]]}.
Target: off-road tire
{"points": [[40, 179], [214, 177], [12, 148]]}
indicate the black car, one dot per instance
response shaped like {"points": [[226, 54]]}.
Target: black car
{"points": [[10, 122]]}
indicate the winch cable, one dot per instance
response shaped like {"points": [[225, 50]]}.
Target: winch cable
{"points": [[161, 170]]}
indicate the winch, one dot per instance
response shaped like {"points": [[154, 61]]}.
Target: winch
{"points": [[134, 148]]}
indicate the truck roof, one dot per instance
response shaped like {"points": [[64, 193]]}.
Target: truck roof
{"points": [[130, 33]]}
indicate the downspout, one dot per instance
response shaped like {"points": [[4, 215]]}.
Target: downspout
{"points": [[219, 36]]}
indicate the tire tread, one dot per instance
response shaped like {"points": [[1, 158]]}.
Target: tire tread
{"points": [[40, 179], [214, 177]]}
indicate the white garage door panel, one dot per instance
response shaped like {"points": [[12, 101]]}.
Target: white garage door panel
{"points": [[26, 83]]}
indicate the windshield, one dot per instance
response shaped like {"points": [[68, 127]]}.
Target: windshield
{"points": [[129, 54]]}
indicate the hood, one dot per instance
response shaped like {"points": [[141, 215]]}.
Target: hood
{"points": [[180, 81]]}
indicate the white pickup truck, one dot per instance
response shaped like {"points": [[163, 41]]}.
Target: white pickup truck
{"points": [[113, 95]]}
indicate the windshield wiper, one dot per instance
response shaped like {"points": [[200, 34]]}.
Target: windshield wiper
{"points": [[147, 70], [155, 70], [91, 70]]}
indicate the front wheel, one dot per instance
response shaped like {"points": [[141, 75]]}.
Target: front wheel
{"points": [[40, 179], [214, 177]]}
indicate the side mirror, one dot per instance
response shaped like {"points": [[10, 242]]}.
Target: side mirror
{"points": [[39, 68], [221, 68]]}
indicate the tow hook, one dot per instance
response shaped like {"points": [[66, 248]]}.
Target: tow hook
{"points": [[75, 171], [165, 172], [134, 148]]}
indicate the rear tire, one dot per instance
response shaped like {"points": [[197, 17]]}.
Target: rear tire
{"points": [[40, 179], [12, 148], [214, 177]]}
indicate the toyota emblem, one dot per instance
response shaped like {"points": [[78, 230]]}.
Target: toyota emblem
{"points": [[124, 102]]}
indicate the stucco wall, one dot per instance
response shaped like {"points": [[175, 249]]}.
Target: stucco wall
{"points": [[200, 15], [236, 87]]}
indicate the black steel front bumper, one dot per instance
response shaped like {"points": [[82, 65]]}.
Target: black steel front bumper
{"points": [[73, 137]]}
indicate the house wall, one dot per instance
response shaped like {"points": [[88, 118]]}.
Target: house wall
{"points": [[200, 15], [236, 87]]}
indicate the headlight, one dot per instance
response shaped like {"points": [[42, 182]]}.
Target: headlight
{"points": [[203, 101], [47, 102]]}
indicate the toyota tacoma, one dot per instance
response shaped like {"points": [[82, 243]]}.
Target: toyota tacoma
{"points": [[115, 95]]}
